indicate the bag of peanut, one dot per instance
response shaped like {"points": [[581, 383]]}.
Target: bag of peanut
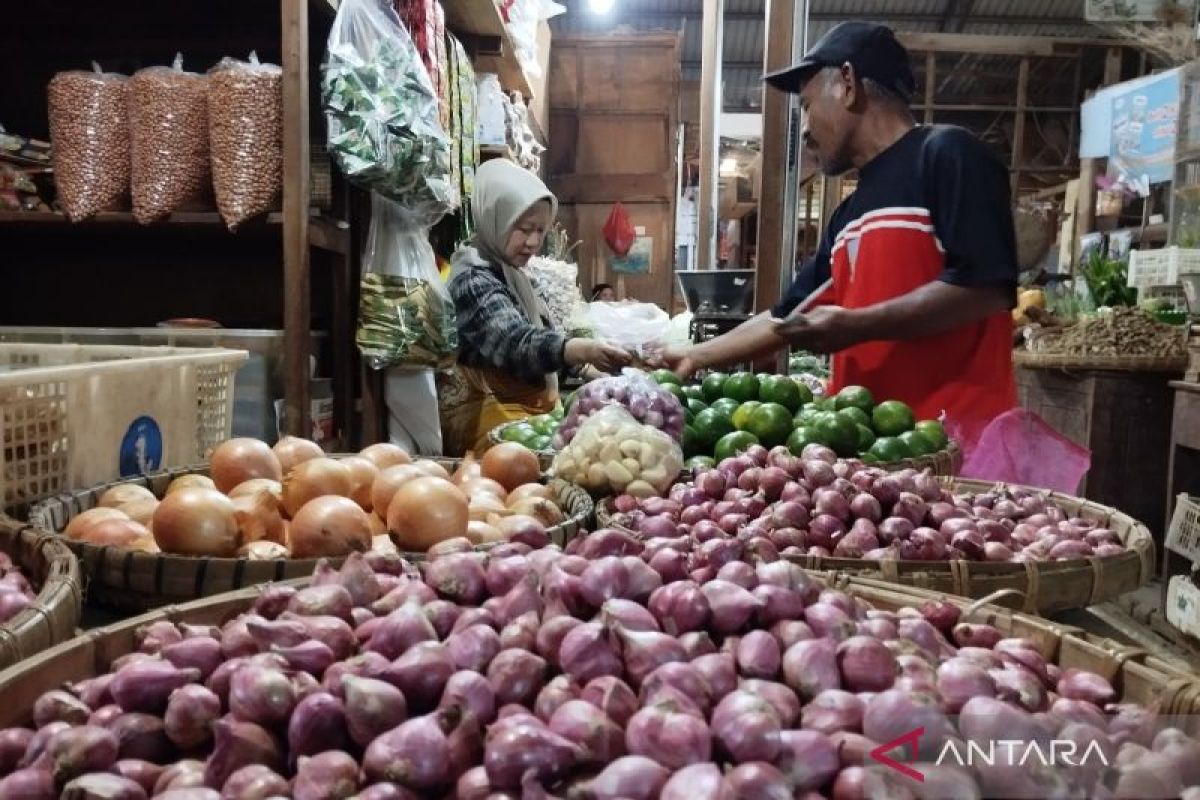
{"points": [[89, 136], [245, 126], [168, 113]]}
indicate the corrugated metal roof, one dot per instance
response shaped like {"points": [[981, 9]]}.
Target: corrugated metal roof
{"points": [[744, 27]]}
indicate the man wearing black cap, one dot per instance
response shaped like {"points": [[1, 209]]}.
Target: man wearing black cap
{"points": [[913, 280]]}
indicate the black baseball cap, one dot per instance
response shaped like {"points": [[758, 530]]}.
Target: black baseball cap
{"points": [[872, 50]]}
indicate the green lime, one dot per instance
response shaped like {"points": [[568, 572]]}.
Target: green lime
{"points": [[714, 386], [869, 458], [725, 406], [866, 438], [856, 415], [771, 424], [826, 404], [558, 413], [521, 432], [854, 397], [741, 417], [889, 448], [693, 392], [703, 462], [695, 406], [802, 437], [838, 432], [693, 445], [545, 425], [807, 415], [932, 430], [741, 386], [541, 443], [675, 389], [710, 425], [892, 418], [733, 443], [806, 395], [665, 376], [918, 443], [782, 390]]}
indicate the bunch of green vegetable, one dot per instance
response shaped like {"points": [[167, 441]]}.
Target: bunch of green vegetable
{"points": [[1107, 280]]}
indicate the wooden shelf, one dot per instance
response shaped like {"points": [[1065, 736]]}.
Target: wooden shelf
{"points": [[481, 19]]}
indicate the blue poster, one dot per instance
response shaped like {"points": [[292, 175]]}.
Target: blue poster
{"points": [[1145, 118]]}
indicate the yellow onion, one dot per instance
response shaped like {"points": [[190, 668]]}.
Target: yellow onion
{"points": [[426, 511], [473, 486], [115, 532], [292, 450], [258, 518], [197, 522], [378, 526], [386, 455], [469, 468], [124, 493], [191, 482], [140, 511], [388, 483], [511, 465], [483, 505], [79, 525], [363, 473], [482, 533], [529, 490], [239, 460], [432, 469], [544, 511], [256, 485], [329, 526], [317, 477]]}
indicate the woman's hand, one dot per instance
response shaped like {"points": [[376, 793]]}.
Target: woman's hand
{"points": [[602, 356]]}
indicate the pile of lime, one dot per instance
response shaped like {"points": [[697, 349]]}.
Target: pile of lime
{"points": [[727, 414], [536, 433]]}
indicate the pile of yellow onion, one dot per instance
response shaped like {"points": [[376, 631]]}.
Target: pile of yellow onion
{"points": [[294, 501]]}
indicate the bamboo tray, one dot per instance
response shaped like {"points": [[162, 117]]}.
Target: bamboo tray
{"points": [[54, 614], [1137, 677], [128, 580], [1171, 364], [1038, 587]]}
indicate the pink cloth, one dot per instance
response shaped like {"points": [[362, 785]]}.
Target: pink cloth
{"points": [[1019, 447]]}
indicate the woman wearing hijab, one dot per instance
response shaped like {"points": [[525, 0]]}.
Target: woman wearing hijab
{"points": [[509, 356]]}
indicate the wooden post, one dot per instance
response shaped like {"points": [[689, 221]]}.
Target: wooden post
{"points": [[1018, 149], [930, 85], [831, 198], [777, 140], [1085, 215], [710, 139], [296, 294]]}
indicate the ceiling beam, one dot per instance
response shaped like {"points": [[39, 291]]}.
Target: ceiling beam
{"points": [[830, 16]]}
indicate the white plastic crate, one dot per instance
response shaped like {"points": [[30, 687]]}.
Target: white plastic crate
{"points": [[1161, 267], [73, 416], [1183, 534]]}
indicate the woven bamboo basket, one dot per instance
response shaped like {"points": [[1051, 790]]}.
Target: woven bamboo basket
{"points": [[128, 580], [1168, 364], [1137, 677], [54, 615], [1036, 587]]}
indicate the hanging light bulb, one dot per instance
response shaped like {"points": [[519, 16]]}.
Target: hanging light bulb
{"points": [[600, 6]]}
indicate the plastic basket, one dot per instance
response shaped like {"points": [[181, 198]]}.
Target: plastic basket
{"points": [[1161, 267], [79, 415]]}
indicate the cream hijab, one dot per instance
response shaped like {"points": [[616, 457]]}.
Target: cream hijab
{"points": [[503, 193]]}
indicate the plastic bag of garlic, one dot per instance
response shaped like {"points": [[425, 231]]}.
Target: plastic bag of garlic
{"points": [[557, 283]]}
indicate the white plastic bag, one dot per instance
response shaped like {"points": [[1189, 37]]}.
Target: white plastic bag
{"points": [[629, 325], [613, 452], [406, 317]]}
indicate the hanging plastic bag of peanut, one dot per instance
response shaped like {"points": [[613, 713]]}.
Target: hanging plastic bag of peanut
{"points": [[168, 113], [245, 126], [89, 137]]}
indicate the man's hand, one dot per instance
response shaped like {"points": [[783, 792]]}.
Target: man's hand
{"points": [[679, 360], [601, 355], [823, 329]]}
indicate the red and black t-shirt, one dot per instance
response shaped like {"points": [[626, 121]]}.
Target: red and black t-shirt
{"points": [[935, 206]]}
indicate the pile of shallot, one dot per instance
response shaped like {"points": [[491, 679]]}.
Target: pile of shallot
{"points": [[15, 591], [613, 671], [820, 505], [294, 501]]}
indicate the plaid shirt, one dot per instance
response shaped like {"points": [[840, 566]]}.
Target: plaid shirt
{"points": [[493, 332]]}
